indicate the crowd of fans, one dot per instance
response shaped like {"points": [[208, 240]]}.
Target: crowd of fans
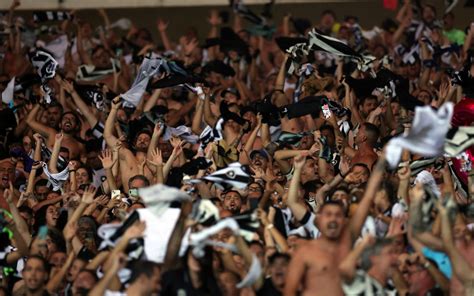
{"points": [[319, 212]]}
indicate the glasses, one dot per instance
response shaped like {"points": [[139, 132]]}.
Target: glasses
{"points": [[254, 189]]}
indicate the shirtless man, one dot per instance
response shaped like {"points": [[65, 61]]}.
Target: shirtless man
{"points": [[365, 140], [316, 262], [70, 126]]}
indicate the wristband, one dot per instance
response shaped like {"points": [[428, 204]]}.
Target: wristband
{"points": [[269, 226], [343, 176]]}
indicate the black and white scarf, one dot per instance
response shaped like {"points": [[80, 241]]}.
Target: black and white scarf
{"points": [[91, 73], [44, 63], [45, 16], [233, 176]]}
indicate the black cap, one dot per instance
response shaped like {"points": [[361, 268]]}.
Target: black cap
{"points": [[301, 25], [286, 42]]}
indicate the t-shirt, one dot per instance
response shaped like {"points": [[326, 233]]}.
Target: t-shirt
{"points": [[268, 289], [177, 282], [455, 36], [364, 285]]}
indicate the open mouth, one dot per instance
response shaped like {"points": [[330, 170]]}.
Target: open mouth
{"points": [[333, 226]]}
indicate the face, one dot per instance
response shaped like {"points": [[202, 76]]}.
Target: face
{"points": [[137, 183], [327, 21], [76, 266], [69, 123], [250, 116], [232, 202], [35, 274], [232, 125], [230, 98], [254, 191], [7, 173], [259, 161], [387, 259], [424, 97], [368, 106], [27, 145], [101, 58], [331, 221], [54, 116], [358, 175], [428, 14], [342, 196], [278, 271], [52, 215], [142, 142], [330, 137], [361, 136], [58, 259], [153, 282], [82, 176], [448, 21], [84, 281]]}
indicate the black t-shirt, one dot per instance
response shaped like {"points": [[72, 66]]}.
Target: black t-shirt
{"points": [[268, 289], [178, 282]]}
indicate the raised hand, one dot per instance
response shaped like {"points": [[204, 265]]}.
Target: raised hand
{"points": [[263, 217], [214, 18], [8, 193], [190, 46], [162, 25], [88, 195], [38, 138], [70, 231], [156, 158], [299, 161], [116, 102], [107, 159], [67, 85], [59, 137]]}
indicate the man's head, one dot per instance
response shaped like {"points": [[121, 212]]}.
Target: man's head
{"points": [[35, 274], [327, 131], [330, 220], [259, 158], [231, 95], [359, 174], [232, 202], [146, 275], [368, 133], [379, 256], [70, 123], [255, 190], [278, 267], [448, 21], [85, 280], [368, 104], [428, 14], [328, 18], [310, 170], [55, 111], [7, 173], [101, 57], [138, 181], [73, 271], [142, 141]]}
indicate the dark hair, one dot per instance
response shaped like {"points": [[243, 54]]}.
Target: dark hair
{"points": [[372, 132], [331, 202], [78, 120], [360, 164], [276, 255], [58, 239], [138, 177], [257, 242], [27, 210], [87, 169], [230, 190], [330, 12], [140, 268], [41, 182]]}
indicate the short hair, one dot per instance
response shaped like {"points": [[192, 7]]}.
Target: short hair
{"points": [[330, 12], [57, 238], [331, 202], [369, 97], [258, 243], [78, 119], [372, 132], [231, 190], [91, 272], [138, 177], [363, 165], [140, 268], [327, 127], [373, 250], [276, 255], [46, 265]]}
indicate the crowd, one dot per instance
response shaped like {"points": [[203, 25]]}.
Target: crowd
{"points": [[263, 157]]}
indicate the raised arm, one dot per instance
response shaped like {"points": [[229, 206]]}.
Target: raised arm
{"points": [[85, 110], [365, 204], [38, 127], [110, 123], [296, 207], [53, 161]]}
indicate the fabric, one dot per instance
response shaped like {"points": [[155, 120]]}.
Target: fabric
{"points": [[426, 137], [149, 67], [441, 259], [390, 4], [44, 63], [91, 73], [158, 197], [58, 48], [57, 180], [44, 16], [7, 94], [233, 175], [458, 140], [364, 284]]}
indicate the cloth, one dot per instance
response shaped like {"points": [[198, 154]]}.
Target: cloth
{"points": [[91, 73], [158, 197], [149, 67], [45, 16], [7, 94], [44, 63], [57, 180], [426, 137], [231, 176], [441, 259], [364, 284]]}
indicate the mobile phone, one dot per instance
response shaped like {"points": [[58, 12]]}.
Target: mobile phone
{"points": [[115, 194], [43, 232], [326, 111], [133, 192]]}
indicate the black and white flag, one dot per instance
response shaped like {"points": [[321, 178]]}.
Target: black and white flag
{"points": [[45, 16], [459, 139], [44, 63], [231, 176]]}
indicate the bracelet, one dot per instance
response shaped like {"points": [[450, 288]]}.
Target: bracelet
{"points": [[343, 176], [269, 226]]}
